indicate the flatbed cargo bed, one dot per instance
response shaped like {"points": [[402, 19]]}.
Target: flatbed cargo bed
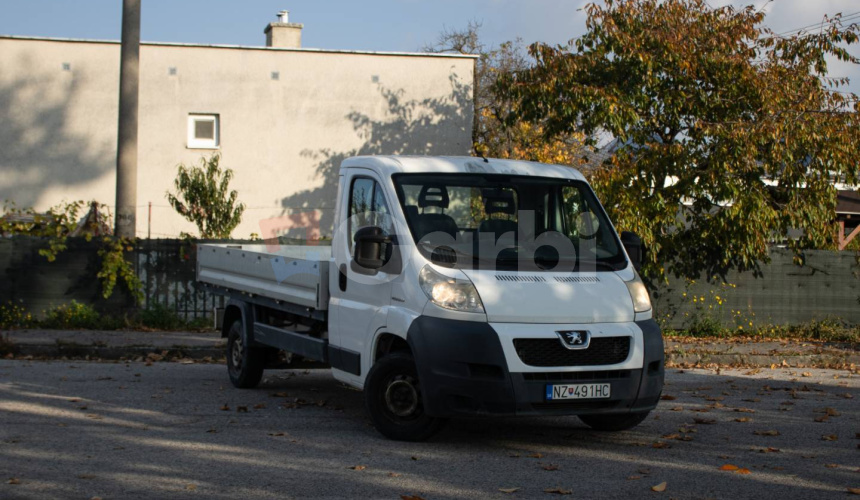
{"points": [[297, 274]]}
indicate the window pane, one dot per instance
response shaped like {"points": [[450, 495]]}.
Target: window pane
{"points": [[360, 203], [204, 129]]}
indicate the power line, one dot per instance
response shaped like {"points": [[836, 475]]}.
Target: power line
{"points": [[848, 17]]}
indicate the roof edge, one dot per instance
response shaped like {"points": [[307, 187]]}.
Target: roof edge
{"points": [[242, 47]]}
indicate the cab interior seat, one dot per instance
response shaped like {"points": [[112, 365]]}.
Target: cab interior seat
{"points": [[427, 223], [497, 201]]}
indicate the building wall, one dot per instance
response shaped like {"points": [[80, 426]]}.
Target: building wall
{"points": [[283, 134]]}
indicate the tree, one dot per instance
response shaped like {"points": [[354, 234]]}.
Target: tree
{"points": [[729, 135], [491, 136], [205, 199]]}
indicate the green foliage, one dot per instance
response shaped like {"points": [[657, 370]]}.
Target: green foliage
{"points": [[65, 220], [116, 266], [72, 316], [160, 317], [15, 315], [705, 325], [729, 136], [203, 197], [56, 224], [490, 135]]}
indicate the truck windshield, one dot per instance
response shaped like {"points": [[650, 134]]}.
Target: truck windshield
{"points": [[505, 222]]}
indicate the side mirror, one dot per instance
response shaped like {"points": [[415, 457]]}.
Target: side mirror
{"points": [[633, 244], [368, 247]]}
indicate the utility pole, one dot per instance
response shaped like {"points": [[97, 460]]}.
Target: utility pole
{"points": [[126, 151]]}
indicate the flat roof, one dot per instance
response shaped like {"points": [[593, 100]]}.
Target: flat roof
{"points": [[243, 47]]}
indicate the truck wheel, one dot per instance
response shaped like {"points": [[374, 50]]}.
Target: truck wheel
{"points": [[244, 363], [613, 423], [393, 400]]}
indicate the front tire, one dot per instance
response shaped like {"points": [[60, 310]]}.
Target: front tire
{"points": [[394, 401], [614, 423], [245, 364]]}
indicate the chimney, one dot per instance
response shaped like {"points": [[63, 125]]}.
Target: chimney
{"points": [[283, 33]]}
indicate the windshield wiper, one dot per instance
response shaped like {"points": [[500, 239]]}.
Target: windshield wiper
{"points": [[596, 263]]}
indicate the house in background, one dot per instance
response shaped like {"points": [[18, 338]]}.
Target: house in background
{"points": [[281, 116]]}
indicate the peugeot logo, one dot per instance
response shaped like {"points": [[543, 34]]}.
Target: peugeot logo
{"points": [[574, 339]]}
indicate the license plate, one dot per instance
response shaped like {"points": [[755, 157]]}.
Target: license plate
{"points": [[577, 391]]}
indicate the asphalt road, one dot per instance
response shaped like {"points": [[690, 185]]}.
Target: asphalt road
{"points": [[88, 429]]}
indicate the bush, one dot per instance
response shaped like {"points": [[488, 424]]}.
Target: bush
{"points": [[15, 315], [160, 317], [706, 326], [73, 315]]}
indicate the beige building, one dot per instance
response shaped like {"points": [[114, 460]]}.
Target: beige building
{"points": [[282, 117]]}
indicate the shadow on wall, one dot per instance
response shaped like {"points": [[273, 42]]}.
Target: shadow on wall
{"points": [[434, 126], [37, 149]]}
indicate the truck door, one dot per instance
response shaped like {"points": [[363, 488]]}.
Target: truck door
{"points": [[358, 299]]}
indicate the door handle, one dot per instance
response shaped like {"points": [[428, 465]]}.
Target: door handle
{"points": [[341, 279]]}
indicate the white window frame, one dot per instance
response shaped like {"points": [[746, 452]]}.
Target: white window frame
{"points": [[193, 141]]}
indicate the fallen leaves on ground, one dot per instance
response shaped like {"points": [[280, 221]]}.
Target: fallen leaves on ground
{"points": [[393, 474], [410, 497], [509, 490], [659, 487], [854, 491], [225, 407], [743, 419], [358, 467], [667, 397], [13, 480], [766, 433], [558, 491], [729, 467], [661, 444], [191, 487], [829, 437], [536, 455], [550, 467]]}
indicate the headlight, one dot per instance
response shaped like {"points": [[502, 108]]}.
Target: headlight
{"points": [[639, 294], [450, 293]]}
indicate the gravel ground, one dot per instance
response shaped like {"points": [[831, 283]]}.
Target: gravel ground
{"points": [[170, 430]]}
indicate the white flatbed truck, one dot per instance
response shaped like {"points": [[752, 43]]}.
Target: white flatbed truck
{"points": [[453, 287]]}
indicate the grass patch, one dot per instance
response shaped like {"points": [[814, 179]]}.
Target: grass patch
{"points": [[78, 316], [827, 330]]}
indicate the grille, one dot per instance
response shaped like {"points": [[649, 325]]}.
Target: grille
{"points": [[519, 277], [577, 279], [569, 376], [550, 352]]}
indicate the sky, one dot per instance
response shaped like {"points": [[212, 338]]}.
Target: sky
{"points": [[383, 25]]}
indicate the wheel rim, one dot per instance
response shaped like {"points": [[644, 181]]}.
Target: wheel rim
{"points": [[236, 354], [401, 397]]}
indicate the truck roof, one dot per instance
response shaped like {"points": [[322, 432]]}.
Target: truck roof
{"points": [[394, 164]]}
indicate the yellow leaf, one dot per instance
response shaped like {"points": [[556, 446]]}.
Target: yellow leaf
{"points": [[659, 487], [729, 467]]}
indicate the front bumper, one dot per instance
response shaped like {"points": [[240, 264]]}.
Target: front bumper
{"points": [[464, 372]]}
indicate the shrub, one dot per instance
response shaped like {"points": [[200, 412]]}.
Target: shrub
{"points": [[73, 315], [15, 315], [160, 317]]}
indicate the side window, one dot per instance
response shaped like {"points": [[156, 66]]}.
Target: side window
{"points": [[367, 207]]}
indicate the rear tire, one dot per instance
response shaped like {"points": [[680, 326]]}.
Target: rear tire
{"points": [[392, 396], [614, 423], [245, 364]]}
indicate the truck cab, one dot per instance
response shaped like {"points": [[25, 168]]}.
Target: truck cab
{"points": [[472, 287]]}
